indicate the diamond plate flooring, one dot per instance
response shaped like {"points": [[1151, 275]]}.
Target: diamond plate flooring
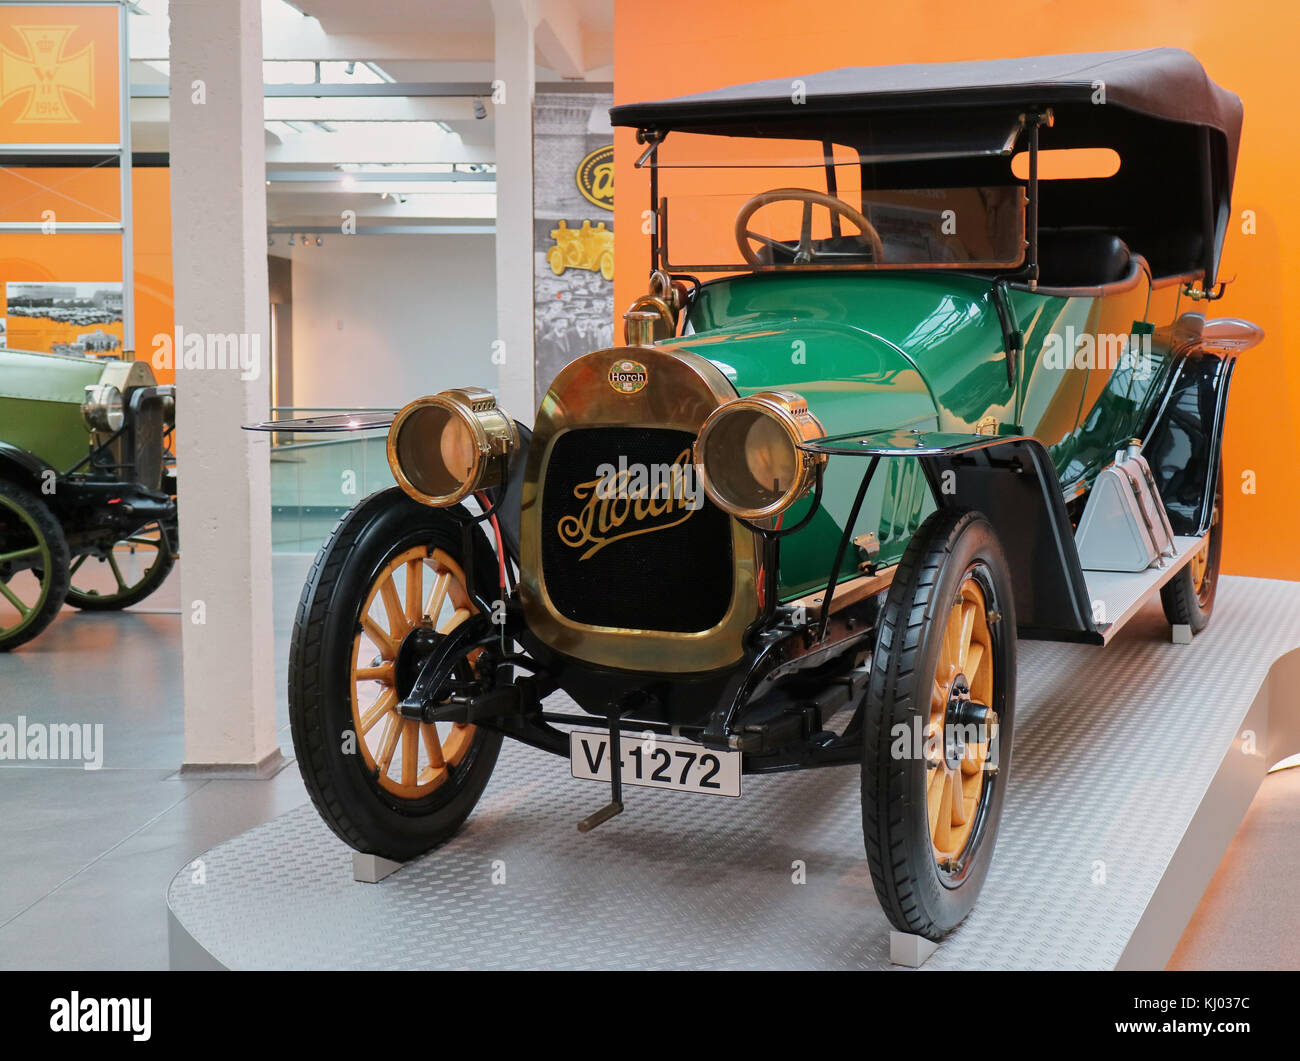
{"points": [[1115, 750]]}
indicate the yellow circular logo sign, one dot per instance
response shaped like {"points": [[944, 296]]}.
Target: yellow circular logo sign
{"points": [[628, 377], [595, 177]]}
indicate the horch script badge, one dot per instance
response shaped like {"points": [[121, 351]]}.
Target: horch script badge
{"points": [[628, 377], [625, 500]]}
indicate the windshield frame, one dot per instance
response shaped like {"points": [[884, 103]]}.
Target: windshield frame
{"points": [[1026, 271]]}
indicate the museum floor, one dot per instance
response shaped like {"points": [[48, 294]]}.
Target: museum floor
{"points": [[88, 855]]}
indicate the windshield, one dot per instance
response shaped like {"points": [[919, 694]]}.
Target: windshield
{"points": [[736, 204]]}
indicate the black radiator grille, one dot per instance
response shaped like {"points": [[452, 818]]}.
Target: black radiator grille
{"points": [[671, 571], [147, 433]]}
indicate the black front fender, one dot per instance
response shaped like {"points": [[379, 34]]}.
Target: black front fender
{"points": [[22, 467]]}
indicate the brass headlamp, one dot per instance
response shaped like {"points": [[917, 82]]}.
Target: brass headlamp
{"points": [[103, 409], [444, 447], [749, 458]]}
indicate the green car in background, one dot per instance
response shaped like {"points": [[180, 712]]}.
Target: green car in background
{"points": [[87, 487], [896, 398]]}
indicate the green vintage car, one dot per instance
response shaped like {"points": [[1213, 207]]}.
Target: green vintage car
{"points": [[902, 391], [87, 487]]}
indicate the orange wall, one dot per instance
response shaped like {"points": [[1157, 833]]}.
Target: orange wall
{"points": [[92, 195], [672, 47]]}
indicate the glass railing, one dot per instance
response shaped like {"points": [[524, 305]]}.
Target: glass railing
{"points": [[315, 478]]}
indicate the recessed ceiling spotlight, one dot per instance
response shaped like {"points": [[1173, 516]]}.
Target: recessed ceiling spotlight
{"points": [[319, 241]]}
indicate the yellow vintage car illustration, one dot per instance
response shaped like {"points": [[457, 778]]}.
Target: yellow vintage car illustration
{"points": [[584, 248]]}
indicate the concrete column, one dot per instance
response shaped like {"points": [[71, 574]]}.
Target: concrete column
{"points": [[218, 206], [515, 74]]}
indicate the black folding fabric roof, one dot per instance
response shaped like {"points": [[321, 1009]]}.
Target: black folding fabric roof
{"points": [[1176, 130], [1165, 83]]}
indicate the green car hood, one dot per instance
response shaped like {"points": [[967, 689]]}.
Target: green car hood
{"points": [[869, 351], [46, 377], [859, 381], [855, 374], [40, 404]]}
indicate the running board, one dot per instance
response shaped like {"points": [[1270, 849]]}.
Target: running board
{"points": [[1117, 596]]}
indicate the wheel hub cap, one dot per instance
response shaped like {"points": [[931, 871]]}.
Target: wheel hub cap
{"points": [[416, 647]]}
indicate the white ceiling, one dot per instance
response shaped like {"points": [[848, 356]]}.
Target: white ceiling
{"points": [[409, 41], [444, 16]]}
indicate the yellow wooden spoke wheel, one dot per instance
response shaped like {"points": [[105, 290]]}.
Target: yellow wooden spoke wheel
{"points": [[1200, 564], [409, 758], [937, 723], [1188, 597], [387, 585], [958, 733]]}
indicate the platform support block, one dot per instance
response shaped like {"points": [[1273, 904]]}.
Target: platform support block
{"points": [[910, 950], [1181, 634], [371, 869]]}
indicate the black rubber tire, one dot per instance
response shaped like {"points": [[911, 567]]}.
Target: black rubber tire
{"points": [[51, 530], [362, 814], [915, 894], [1182, 604], [149, 584]]}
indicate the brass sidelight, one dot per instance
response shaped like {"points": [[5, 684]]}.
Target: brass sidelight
{"points": [[664, 303], [641, 325]]}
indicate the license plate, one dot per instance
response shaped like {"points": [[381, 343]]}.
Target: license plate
{"points": [[657, 762]]}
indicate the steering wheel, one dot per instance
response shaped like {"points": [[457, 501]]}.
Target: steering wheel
{"points": [[803, 253]]}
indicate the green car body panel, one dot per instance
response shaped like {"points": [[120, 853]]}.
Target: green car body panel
{"points": [[40, 404], [924, 351]]}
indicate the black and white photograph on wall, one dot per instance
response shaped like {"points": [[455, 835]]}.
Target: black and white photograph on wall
{"points": [[573, 228]]}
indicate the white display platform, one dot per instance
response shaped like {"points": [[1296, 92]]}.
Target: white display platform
{"points": [[1133, 766]]}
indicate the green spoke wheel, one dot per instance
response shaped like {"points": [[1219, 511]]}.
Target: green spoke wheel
{"points": [[121, 574], [33, 566]]}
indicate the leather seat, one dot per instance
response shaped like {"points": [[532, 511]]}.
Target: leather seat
{"points": [[1081, 257]]}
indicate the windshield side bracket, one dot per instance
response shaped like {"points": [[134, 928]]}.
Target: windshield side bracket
{"points": [[652, 138], [1013, 340]]}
